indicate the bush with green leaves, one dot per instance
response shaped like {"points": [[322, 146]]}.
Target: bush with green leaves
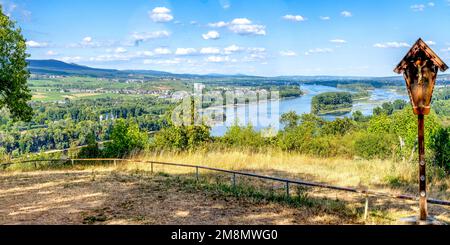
{"points": [[374, 145], [243, 137], [182, 137], [91, 150], [441, 146], [126, 138]]}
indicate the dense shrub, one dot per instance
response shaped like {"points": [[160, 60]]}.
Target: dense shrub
{"points": [[338, 126], [91, 150], [374, 145], [126, 137], [243, 137], [182, 137], [441, 147]]}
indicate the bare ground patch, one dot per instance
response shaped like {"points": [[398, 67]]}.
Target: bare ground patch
{"points": [[123, 197]]}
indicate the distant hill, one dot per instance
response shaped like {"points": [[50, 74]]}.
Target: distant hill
{"points": [[56, 67]]}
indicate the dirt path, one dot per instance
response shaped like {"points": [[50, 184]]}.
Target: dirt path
{"points": [[77, 197]]}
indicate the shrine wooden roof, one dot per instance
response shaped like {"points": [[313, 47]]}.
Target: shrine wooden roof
{"points": [[420, 45]]}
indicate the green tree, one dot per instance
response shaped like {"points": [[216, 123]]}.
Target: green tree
{"points": [[126, 137], [441, 147], [91, 150], [290, 119], [338, 126], [14, 92], [243, 137], [182, 137]]}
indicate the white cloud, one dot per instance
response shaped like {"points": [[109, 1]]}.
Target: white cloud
{"points": [[446, 49], [346, 13], [139, 37], [225, 4], [392, 45], [431, 4], [89, 42], [110, 57], [34, 44], [51, 53], [256, 50], [218, 59], [71, 59], [185, 51], [141, 54], [244, 26], [318, 50], [211, 35], [325, 17], [288, 53], [338, 41], [163, 62], [218, 24], [210, 50], [430, 43], [295, 18], [87, 39], [120, 50], [162, 51], [418, 7], [233, 49], [161, 15]]}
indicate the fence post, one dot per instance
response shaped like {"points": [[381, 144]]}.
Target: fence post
{"points": [[151, 163], [366, 207], [196, 173], [234, 180], [72, 161], [287, 189], [115, 163]]}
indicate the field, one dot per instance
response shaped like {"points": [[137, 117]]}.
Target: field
{"points": [[130, 194]]}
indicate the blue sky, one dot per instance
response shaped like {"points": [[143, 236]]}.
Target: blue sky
{"points": [[259, 37]]}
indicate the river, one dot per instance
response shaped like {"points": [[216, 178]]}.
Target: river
{"points": [[266, 114]]}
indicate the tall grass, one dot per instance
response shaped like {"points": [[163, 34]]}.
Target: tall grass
{"points": [[373, 174]]}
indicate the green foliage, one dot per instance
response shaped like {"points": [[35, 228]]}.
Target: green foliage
{"points": [[301, 137], [373, 145], [14, 93], [59, 125], [91, 150], [182, 137], [441, 147], [338, 126], [331, 101], [358, 116], [126, 137], [243, 137], [290, 119], [403, 124], [389, 107]]}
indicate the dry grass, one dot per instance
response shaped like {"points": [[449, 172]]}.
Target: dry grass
{"points": [[383, 175], [314, 205], [118, 197]]}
